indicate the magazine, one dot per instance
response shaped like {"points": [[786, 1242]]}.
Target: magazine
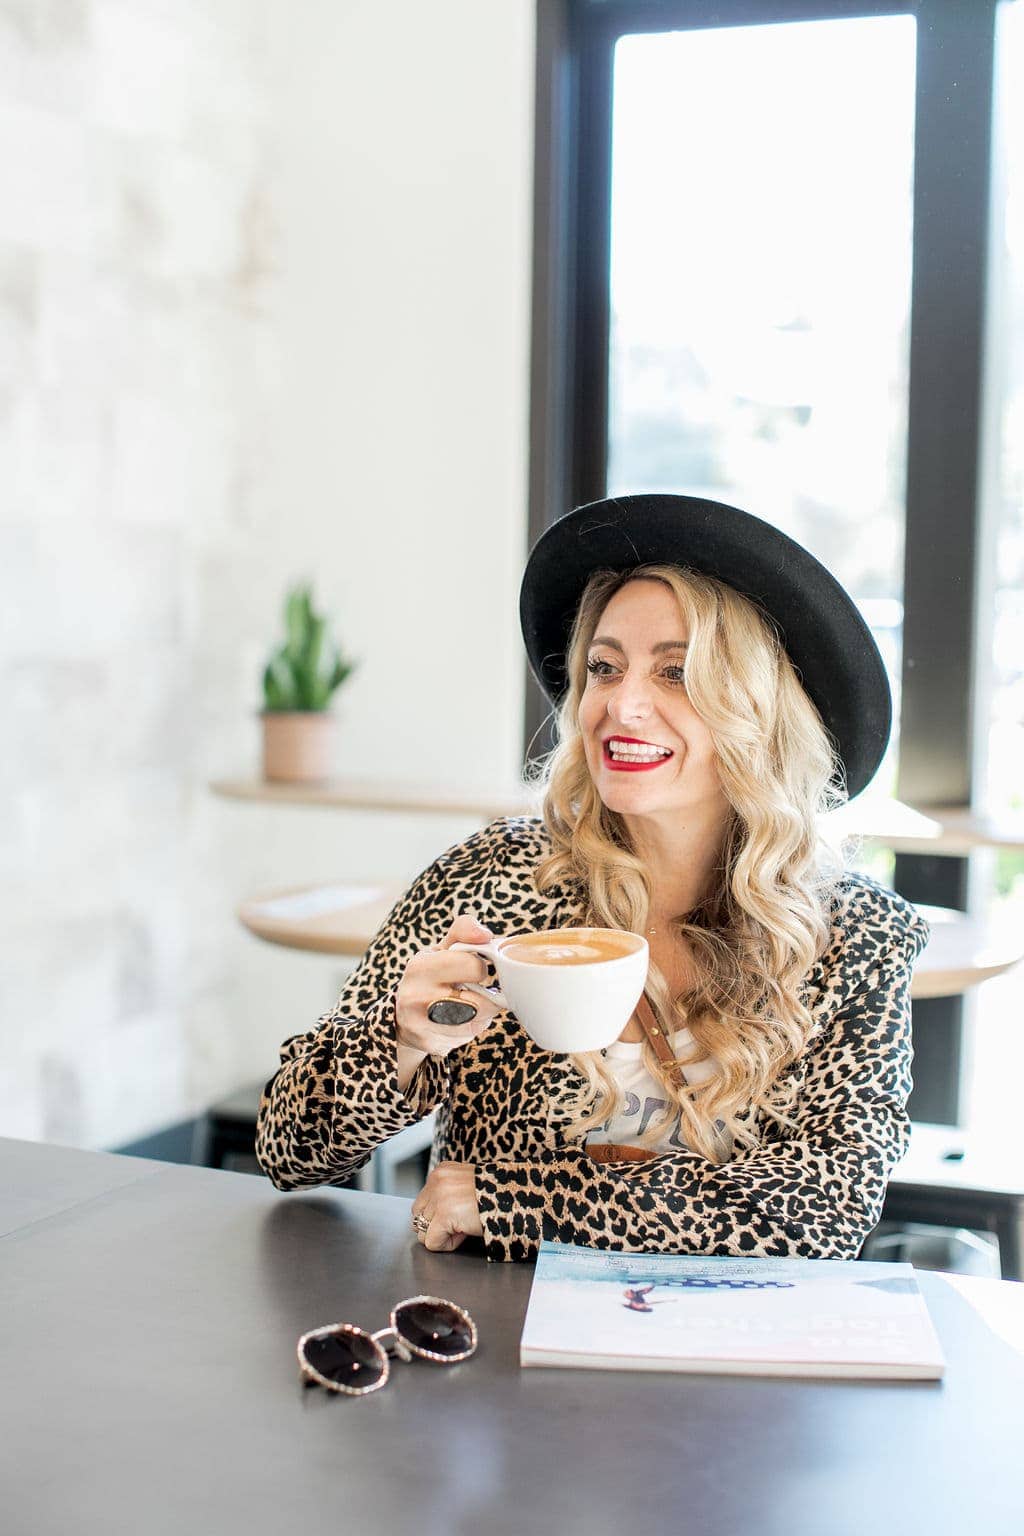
{"points": [[750, 1317]]}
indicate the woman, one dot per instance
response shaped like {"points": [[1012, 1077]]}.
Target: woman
{"points": [[716, 686]]}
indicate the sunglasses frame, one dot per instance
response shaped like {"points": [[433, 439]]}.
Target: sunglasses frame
{"points": [[387, 1341]]}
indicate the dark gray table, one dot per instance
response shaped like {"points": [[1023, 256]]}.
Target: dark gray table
{"points": [[149, 1385]]}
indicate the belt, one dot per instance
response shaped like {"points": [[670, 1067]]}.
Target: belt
{"points": [[617, 1152]]}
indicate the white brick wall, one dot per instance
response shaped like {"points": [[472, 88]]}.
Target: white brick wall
{"points": [[208, 387]]}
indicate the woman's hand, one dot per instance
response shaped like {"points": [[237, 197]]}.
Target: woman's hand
{"points": [[447, 1203], [435, 974]]}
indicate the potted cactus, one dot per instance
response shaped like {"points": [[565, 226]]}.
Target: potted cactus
{"points": [[298, 684]]}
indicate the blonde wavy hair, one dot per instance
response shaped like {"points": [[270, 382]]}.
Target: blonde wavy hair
{"points": [[756, 934]]}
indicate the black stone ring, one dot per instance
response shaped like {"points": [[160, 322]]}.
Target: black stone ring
{"points": [[451, 1012]]}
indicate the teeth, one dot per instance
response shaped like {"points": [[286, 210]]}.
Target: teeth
{"points": [[622, 751]]}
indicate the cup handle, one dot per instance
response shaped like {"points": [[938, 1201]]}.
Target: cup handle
{"points": [[489, 994], [489, 952]]}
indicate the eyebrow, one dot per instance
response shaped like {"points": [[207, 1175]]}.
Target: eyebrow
{"points": [[662, 645]]}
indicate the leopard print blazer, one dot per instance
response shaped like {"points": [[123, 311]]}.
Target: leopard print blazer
{"points": [[814, 1191]]}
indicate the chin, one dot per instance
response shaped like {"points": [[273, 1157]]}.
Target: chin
{"points": [[624, 795]]}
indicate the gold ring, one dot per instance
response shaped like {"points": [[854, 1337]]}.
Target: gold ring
{"points": [[421, 1223]]}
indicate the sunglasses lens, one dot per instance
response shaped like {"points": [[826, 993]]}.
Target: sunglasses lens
{"points": [[350, 1359], [436, 1326]]}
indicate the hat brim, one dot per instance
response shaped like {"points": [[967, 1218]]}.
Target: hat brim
{"points": [[821, 628]]}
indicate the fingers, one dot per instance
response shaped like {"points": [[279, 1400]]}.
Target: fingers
{"points": [[435, 1233], [439, 967], [432, 976], [430, 1233], [446, 1211], [447, 1036], [467, 929], [435, 974], [440, 1039], [440, 1239]]}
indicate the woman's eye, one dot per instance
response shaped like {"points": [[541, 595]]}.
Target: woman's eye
{"points": [[598, 668], [674, 674]]}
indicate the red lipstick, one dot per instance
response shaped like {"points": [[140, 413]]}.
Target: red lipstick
{"points": [[627, 762]]}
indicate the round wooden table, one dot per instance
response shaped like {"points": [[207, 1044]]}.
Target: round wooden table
{"points": [[962, 952], [330, 920], [342, 919]]}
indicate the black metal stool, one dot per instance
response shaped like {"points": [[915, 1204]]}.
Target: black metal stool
{"points": [[228, 1129]]}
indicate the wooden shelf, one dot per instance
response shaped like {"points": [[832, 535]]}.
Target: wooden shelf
{"points": [[943, 829], [372, 795]]}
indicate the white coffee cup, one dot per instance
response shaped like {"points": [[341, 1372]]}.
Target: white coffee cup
{"points": [[572, 989]]}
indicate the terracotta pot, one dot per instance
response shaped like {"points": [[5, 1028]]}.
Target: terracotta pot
{"points": [[298, 747]]}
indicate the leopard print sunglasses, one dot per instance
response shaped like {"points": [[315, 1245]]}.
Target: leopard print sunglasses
{"points": [[344, 1358]]}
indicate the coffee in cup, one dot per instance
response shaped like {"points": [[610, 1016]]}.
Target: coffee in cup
{"points": [[569, 946], [572, 989]]}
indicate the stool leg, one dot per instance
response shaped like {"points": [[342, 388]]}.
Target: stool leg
{"points": [[201, 1138], [1010, 1232]]}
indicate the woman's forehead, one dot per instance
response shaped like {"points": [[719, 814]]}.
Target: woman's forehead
{"points": [[644, 607]]}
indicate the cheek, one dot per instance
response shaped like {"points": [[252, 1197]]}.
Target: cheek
{"points": [[589, 717], [589, 714], [700, 749], [705, 755]]}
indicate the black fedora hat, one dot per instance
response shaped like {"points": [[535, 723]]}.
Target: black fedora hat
{"points": [[821, 628]]}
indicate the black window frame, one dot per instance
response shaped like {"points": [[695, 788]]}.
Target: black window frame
{"points": [[943, 540]]}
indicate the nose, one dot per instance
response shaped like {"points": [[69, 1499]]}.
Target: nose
{"points": [[631, 701]]}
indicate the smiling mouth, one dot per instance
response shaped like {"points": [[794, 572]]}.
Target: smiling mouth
{"points": [[625, 752]]}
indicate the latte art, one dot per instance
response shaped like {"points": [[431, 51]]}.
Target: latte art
{"points": [[581, 946]]}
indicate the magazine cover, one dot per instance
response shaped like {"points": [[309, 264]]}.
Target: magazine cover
{"points": [[786, 1317]]}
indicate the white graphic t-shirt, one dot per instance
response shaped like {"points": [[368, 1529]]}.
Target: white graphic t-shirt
{"points": [[645, 1096]]}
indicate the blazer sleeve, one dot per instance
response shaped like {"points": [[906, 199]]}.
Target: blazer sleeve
{"points": [[815, 1193], [335, 1097]]}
